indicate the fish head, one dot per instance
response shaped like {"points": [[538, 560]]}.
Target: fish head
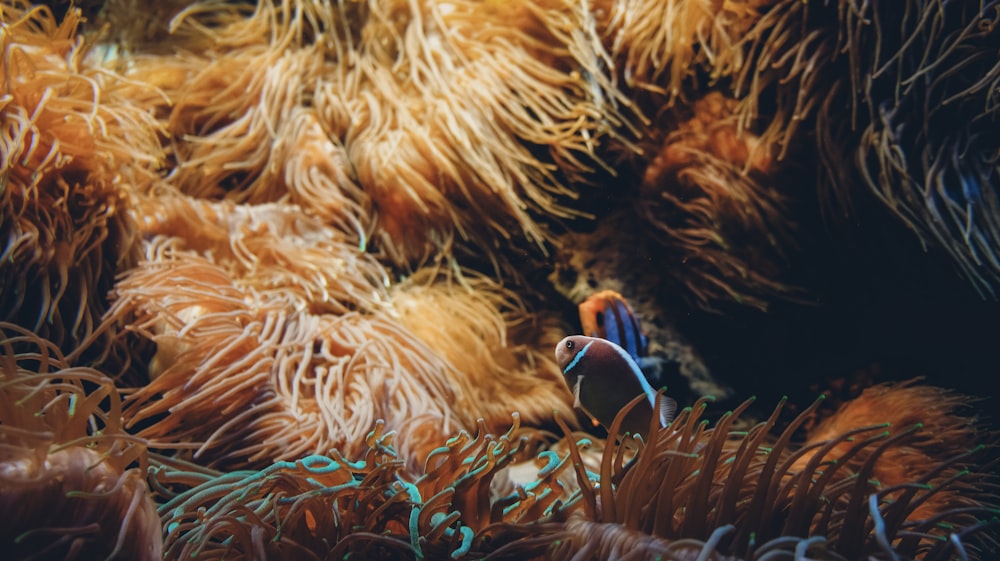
{"points": [[568, 350]]}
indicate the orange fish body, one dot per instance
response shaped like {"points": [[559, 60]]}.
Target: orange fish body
{"points": [[607, 315]]}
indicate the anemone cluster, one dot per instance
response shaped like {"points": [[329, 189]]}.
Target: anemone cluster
{"points": [[283, 279]]}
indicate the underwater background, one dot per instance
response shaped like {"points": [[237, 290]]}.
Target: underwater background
{"points": [[286, 279]]}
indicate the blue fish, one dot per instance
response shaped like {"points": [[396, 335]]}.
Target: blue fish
{"points": [[604, 379], [606, 314]]}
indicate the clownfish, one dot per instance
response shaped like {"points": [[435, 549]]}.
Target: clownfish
{"points": [[604, 379], [607, 315]]}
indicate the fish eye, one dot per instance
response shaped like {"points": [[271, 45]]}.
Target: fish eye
{"points": [[569, 345]]}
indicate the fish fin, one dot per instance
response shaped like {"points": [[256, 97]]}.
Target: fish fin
{"points": [[578, 405], [668, 408]]}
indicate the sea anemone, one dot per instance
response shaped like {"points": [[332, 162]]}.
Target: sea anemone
{"points": [[694, 491], [309, 234], [412, 123], [667, 47], [273, 341], [899, 98], [710, 197], [250, 136], [72, 481], [838, 492], [301, 342], [942, 434], [323, 507], [72, 145], [499, 351], [458, 129]]}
